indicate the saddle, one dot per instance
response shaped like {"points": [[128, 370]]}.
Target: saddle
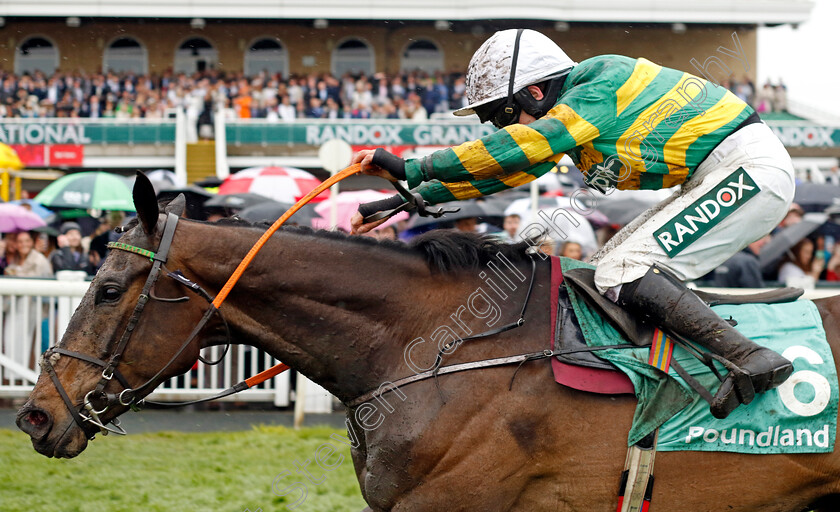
{"points": [[577, 366]]}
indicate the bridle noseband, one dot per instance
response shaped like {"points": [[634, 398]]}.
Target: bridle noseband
{"points": [[97, 401]]}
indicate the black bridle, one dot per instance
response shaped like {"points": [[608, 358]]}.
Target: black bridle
{"points": [[97, 400]]}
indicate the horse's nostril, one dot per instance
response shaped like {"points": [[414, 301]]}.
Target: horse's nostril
{"points": [[37, 418], [34, 421]]}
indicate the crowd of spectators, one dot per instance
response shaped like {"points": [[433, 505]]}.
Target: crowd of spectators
{"points": [[413, 95], [45, 251], [770, 98]]}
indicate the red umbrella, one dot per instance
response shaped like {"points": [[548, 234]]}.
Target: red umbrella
{"points": [[283, 184], [14, 217]]}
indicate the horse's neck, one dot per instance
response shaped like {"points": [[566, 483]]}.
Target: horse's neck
{"points": [[338, 311]]}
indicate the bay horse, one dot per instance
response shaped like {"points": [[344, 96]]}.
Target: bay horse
{"points": [[354, 314]]}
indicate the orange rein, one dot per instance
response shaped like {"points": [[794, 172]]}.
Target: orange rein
{"points": [[222, 295]]}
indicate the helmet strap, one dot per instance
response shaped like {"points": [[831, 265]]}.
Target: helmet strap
{"points": [[511, 107]]}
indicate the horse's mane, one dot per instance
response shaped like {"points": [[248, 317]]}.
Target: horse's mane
{"points": [[444, 250]]}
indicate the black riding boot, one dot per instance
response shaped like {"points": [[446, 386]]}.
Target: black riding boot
{"points": [[666, 301]]}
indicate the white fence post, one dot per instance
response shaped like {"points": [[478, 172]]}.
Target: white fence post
{"points": [[220, 135]]}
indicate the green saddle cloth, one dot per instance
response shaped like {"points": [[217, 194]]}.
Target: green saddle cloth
{"points": [[798, 417]]}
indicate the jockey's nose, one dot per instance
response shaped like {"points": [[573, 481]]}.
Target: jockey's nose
{"points": [[34, 421]]}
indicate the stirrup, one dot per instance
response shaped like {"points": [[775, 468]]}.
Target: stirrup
{"points": [[740, 387], [736, 389]]}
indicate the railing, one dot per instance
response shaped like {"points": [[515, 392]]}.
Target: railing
{"points": [[35, 313]]}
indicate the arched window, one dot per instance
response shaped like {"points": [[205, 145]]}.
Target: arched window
{"points": [[422, 54], [266, 54], [36, 53], [195, 54], [126, 54], [353, 56]]}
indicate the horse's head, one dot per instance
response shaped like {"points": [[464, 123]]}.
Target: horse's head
{"points": [[123, 340]]}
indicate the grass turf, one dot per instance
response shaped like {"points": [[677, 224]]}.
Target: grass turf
{"points": [[173, 471]]}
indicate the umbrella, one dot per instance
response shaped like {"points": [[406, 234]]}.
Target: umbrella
{"points": [[88, 190], [14, 217], [37, 208], [236, 201], [494, 206], [348, 204], [782, 241], [163, 178], [623, 211], [283, 184], [560, 227], [272, 210], [522, 207], [814, 197], [468, 209], [195, 197], [9, 158]]}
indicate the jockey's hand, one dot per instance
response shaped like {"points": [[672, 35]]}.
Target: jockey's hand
{"points": [[358, 227], [380, 163], [357, 222]]}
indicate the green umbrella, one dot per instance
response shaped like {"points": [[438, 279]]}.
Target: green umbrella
{"points": [[88, 190]]}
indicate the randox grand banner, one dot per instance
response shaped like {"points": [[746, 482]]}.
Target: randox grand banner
{"points": [[362, 133], [314, 132]]}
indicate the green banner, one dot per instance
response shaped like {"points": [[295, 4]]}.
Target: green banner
{"points": [[362, 133], [49, 132], [305, 132], [806, 136]]}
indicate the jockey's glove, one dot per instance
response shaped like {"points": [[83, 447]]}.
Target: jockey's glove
{"points": [[390, 162], [395, 201]]}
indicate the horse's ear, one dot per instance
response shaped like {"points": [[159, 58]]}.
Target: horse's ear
{"points": [[177, 205], [145, 202]]}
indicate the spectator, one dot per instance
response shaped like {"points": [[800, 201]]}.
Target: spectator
{"points": [[741, 270], [8, 250], [780, 97], [286, 111], [572, 250], [832, 268], [28, 262], [510, 225], [70, 254], [469, 225], [799, 266], [794, 215], [764, 98]]}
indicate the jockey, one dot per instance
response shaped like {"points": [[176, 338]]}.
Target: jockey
{"points": [[628, 124]]}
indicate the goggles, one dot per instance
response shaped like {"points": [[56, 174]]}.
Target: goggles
{"points": [[500, 113]]}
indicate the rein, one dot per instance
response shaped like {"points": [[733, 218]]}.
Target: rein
{"points": [[97, 401]]}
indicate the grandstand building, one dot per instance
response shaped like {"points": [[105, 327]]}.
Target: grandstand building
{"points": [[324, 36], [316, 37]]}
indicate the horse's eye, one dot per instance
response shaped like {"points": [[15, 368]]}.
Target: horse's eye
{"points": [[111, 294]]}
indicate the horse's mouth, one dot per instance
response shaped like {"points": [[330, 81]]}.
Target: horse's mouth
{"points": [[70, 443]]}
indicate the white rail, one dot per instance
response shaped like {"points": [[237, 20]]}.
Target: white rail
{"points": [[35, 313]]}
